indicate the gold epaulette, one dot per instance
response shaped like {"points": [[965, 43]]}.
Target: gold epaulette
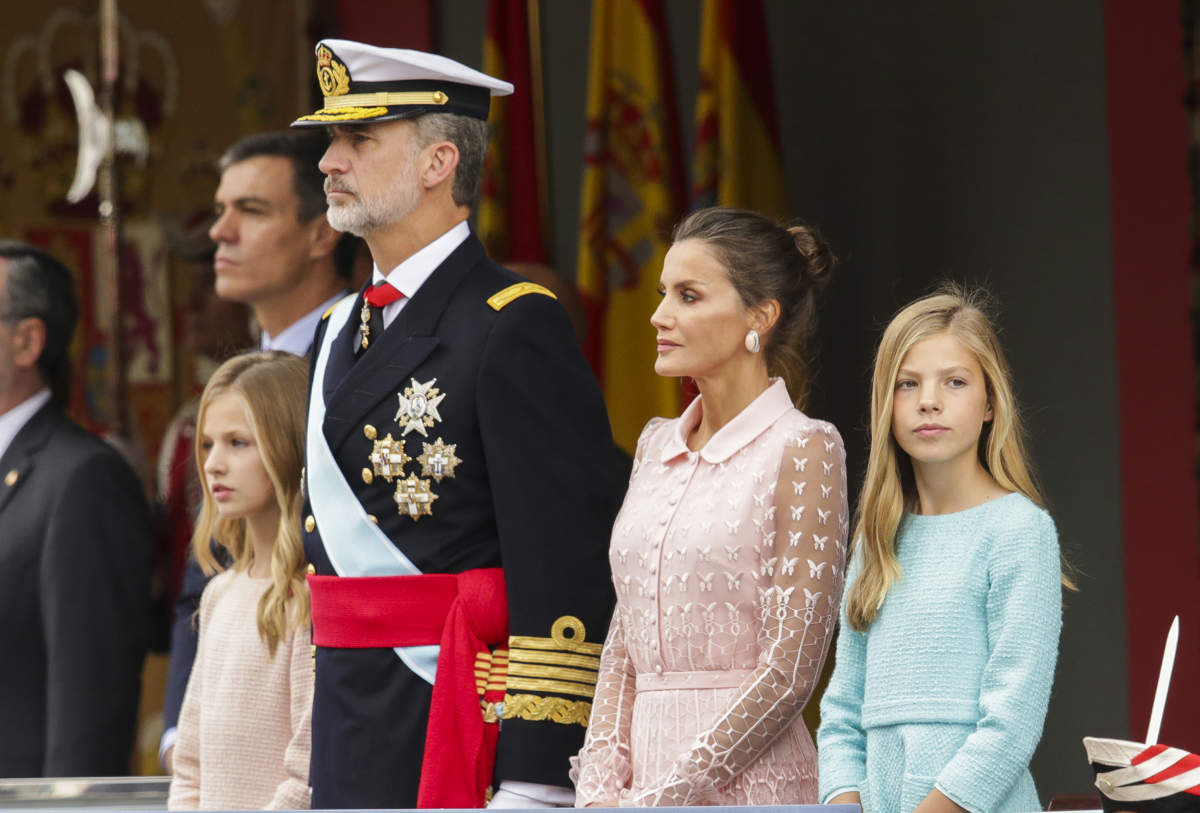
{"points": [[512, 292], [329, 310]]}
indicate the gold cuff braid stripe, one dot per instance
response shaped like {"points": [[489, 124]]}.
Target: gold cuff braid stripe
{"points": [[554, 709], [530, 642], [559, 686], [490, 669], [555, 658], [552, 672]]}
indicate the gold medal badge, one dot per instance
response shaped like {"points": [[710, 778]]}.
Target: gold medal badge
{"points": [[388, 458], [438, 459], [364, 329], [414, 497]]}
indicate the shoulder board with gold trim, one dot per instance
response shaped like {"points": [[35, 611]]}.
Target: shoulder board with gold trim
{"points": [[329, 310], [513, 292]]}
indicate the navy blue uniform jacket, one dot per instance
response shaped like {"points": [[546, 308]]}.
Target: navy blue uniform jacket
{"points": [[535, 493]]}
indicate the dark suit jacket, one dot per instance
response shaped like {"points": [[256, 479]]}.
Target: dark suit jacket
{"points": [[535, 493], [74, 602]]}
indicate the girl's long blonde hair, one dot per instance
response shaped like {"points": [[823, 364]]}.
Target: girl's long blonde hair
{"points": [[272, 386], [889, 489]]}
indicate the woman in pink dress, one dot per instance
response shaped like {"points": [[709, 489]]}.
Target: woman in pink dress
{"points": [[728, 553]]}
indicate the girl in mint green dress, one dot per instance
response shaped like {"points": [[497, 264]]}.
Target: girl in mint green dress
{"points": [[952, 607]]}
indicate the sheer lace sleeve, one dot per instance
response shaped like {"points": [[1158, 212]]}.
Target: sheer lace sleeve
{"points": [[799, 610], [602, 768]]}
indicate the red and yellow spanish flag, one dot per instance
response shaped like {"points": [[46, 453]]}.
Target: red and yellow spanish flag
{"points": [[632, 197], [738, 160], [510, 214]]}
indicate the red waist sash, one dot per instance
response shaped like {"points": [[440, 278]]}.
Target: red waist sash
{"points": [[465, 614]]}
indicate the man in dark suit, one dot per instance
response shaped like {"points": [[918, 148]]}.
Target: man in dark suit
{"points": [[74, 548], [459, 453]]}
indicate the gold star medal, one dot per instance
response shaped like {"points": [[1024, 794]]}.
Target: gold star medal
{"points": [[419, 407], [438, 460], [414, 497], [388, 458]]}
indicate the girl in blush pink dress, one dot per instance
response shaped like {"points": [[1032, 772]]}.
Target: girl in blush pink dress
{"points": [[728, 553]]}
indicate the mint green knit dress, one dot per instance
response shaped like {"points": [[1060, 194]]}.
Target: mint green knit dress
{"points": [[949, 685]]}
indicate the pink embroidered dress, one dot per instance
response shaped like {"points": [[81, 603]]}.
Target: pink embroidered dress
{"points": [[728, 564]]}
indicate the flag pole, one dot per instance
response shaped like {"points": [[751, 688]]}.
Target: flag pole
{"points": [[109, 210], [533, 15]]}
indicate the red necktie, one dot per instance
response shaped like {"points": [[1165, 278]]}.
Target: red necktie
{"points": [[375, 298], [382, 295]]}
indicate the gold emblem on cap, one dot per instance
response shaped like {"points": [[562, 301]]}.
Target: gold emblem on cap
{"points": [[11, 478], [387, 459], [438, 460], [414, 497], [419, 407], [332, 75]]}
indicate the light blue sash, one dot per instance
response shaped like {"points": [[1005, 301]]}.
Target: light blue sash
{"points": [[354, 544]]}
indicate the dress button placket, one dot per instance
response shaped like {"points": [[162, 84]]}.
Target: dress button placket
{"points": [[686, 470]]}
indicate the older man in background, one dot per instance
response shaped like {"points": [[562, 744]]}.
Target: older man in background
{"points": [[74, 548]]}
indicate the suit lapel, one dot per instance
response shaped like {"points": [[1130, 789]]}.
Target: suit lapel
{"points": [[21, 453], [408, 341], [341, 353]]}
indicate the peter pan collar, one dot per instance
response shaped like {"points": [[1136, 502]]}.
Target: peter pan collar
{"points": [[756, 418]]}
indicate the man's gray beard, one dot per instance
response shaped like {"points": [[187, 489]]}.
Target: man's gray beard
{"points": [[361, 217], [349, 218]]}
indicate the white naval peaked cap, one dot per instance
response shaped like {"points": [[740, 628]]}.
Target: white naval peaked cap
{"points": [[365, 83]]}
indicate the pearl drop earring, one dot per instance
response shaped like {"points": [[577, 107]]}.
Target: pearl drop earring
{"points": [[752, 342]]}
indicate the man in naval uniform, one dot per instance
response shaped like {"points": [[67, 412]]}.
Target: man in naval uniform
{"points": [[458, 452]]}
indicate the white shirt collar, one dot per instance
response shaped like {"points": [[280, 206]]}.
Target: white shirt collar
{"points": [[297, 337], [14, 420], [411, 274]]}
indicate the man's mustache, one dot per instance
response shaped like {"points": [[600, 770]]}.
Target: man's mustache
{"points": [[332, 185]]}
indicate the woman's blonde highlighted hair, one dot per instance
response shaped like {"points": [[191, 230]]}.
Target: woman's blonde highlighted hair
{"points": [[272, 387], [889, 489]]}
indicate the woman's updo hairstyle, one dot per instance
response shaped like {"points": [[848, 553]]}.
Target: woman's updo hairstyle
{"points": [[766, 260]]}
